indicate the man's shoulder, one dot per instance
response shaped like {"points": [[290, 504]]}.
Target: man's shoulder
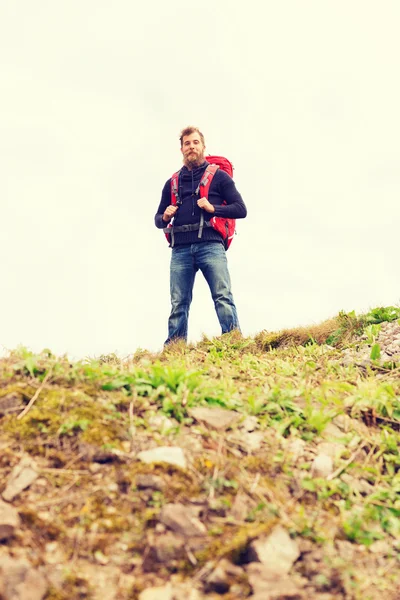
{"points": [[222, 176]]}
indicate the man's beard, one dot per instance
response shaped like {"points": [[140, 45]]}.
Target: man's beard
{"points": [[193, 159]]}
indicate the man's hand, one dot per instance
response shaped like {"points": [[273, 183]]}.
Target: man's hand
{"points": [[206, 205], [169, 212]]}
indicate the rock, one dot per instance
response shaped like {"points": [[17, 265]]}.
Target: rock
{"points": [[54, 554], [381, 547], [181, 520], [10, 403], [105, 582], [101, 558], [241, 506], [347, 361], [165, 549], [21, 477], [332, 431], [346, 550], [358, 485], [9, 520], [169, 592], [330, 449], [268, 587], [249, 424], [186, 592], [217, 418], [322, 466], [296, 448], [252, 441], [150, 482], [157, 593], [248, 442], [19, 581], [93, 453], [95, 468], [222, 577], [217, 581], [277, 552], [161, 422], [172, 455], [343, 422]]}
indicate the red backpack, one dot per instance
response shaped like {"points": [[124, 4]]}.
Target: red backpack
{"points": [[226, 227]]}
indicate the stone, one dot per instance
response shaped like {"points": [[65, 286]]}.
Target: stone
{"points": [[217, 418], [161, 422], [169, 592], [150, 482], [19, 581], [332, 431], [296, 448], [217, 581], [54, 554], [241, 507], [249, 424], [269, 587], [186, 592], [21, 477], [252, 441], [346, 550], [381, 547], [105, 582], [172, 455], [322, 466], [277, 552], [165, 549], [357, 485], [93, 453], [181, 520], [222, 577], [10, 403], [9, 520], [330, 449]]}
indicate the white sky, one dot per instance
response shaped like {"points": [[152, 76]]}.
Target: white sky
{"points": [[303, 96]]}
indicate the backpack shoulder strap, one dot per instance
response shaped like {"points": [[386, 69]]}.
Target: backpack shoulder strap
{"points": [[174, 188], [203, 189], [206, 180]]}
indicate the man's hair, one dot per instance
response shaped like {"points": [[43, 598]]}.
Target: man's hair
{"points": [[188, 131]]}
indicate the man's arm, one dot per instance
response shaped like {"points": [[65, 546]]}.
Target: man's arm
{"points": [[234, 208], [165, 210]]}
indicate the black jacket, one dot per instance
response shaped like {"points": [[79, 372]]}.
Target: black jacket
{"points": [[222, 189]]}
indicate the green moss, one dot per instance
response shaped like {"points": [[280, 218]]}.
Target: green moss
{"points": [[73, 586], [234, 542]]}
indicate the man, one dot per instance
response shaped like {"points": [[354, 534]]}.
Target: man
{"points": [[191, 252]]}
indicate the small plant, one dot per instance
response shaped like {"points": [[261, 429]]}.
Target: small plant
{"points": [[382, 313], [349, 326], [375, 352], [220, 484], [357, 530], [72, 426], [372, 333]]}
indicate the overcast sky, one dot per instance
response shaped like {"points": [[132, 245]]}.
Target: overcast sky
{"points": [[302, 96]]}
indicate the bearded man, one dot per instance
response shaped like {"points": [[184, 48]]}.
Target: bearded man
{"points": [[190, 251]]}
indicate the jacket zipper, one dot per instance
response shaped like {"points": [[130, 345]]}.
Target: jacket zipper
{"points": [[192, 195]]}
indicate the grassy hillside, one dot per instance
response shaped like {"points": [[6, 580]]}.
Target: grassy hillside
{"points": [[281, 480]]}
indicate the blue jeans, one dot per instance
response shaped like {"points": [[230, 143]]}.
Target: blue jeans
{"points": [[210, 258]]}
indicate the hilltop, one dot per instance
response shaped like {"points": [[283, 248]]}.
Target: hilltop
{"points": [[264, 468]]}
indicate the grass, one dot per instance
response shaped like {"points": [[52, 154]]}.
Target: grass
{"points": [[90, 418]]}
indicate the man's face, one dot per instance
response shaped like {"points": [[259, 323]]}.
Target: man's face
{"points": [[192, 150]]}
